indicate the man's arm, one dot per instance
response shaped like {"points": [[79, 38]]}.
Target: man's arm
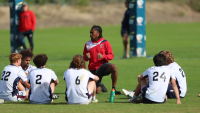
{"points": [[27, 84], [176, 92], [56, 82], [140, 77], [96, 78], [108, 53], [33, 21]]}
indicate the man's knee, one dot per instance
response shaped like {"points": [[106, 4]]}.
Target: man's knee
{"points": [[125, 36], [112, 68]]}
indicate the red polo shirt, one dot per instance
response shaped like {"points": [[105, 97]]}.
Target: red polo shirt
{"points": [[101, 46]]}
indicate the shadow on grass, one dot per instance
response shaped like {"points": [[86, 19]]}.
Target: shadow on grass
{"points": [[27, 102], [58, 103], [124, 98]]}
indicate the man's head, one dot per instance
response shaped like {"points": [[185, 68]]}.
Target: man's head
{"points": [[169, 56], [25, 6], [126, 3], [27, 55], [15, 58], [159, 60], [40, 60], [95, 33], [78, 62]]}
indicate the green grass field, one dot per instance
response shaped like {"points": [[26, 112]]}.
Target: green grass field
{"points": [[61, 44]]}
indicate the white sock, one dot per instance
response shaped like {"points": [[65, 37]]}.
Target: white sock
{"points": [[93, 97]]}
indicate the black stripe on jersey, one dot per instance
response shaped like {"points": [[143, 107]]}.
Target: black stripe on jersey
{"points": [[66, 95], [103, 41], [29, 93], [15, 83], [50, 92], [145, 76], [177, 84]]}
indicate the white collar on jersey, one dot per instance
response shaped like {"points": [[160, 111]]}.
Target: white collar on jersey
{"points": [[90, 44]]}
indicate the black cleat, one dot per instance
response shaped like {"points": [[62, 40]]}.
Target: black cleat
{"points": [[103, 88], [117, 92]]}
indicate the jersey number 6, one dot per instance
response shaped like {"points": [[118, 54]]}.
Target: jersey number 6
{"points": [[77, 81]]}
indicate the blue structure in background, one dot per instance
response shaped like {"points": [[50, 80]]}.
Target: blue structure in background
{"points": [[137, 24], [15, 9]]}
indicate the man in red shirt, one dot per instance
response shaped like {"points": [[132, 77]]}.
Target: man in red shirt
{"points": [[98, 51], [27, 24]]}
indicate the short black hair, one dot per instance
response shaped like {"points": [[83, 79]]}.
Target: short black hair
{"points": [[99, 29], [40, 60], [159, 60], [26, 53]]}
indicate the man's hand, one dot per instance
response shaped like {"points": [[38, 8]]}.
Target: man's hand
{"points": [[178, 101], [99, 56], [87, 56]]}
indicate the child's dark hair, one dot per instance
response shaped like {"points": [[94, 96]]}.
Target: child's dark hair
{"points": [[40, 60], [26, 53], [159, 60]]}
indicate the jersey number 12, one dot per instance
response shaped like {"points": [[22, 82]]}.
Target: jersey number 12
{"points": [[5, 75]]}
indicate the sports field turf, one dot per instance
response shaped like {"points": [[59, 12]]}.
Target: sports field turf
{"points": [[61, 44]]}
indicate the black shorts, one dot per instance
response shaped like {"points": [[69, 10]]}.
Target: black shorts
{"points": [[100, 72], [145, 100], [123, 31], [170, 92]]}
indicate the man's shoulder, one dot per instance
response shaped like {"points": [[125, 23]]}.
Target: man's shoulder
{"points": [[152, 68], [30, 11], [174, 65], [32, 67], [156, 68], [47, 69], [88, 42], [44, 70]]}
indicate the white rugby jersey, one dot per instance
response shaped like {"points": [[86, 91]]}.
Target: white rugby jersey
{"points": [[28, 69], [180, 77], [40, 91], [76, 83], [159, 77], [9, 80]]}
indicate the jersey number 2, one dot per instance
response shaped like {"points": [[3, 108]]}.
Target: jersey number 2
{"points": [[39, 77], [182, 72], [3, 77], [161, 76]]}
